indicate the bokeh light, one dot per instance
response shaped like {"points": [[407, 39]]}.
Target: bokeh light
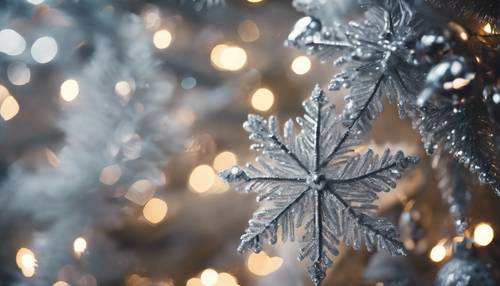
{"points": [[26, 261], [248, 31], [61, 283], [69, 90], [202, 178], [438, 252], [262, 99], [123, 88], [487, 28], [225, 160], [79, 246], [18, 73], [261, 264], [229, 58], [9, 108], [301, 65], [44, 50], [162, 39], [35, 2], [209, 277], [483, 234], [155, 210], [110, 174], [11, 42]]}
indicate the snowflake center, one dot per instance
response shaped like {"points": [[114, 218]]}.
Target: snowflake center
{"points": [[316, 181]]}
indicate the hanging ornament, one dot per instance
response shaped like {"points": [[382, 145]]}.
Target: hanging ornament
{"points": [[432, 47], [411, 230], [452, 78], [464, 269], [303, 31], [491, 96]]}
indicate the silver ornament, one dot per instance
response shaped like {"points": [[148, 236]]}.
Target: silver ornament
{"points": [[464, 269]]}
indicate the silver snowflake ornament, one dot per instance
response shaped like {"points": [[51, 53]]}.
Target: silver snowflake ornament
{"points": [[376, 56], [316, 182]]}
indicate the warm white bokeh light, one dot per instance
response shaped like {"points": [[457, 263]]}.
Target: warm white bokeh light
{"points": [[438, 253], [229, 58], [209, 277], [26, 261], [301, 65], [44, 50], [202, 178], [261, 264], [9, 108], [262, 99], [255, 1], [162, 39], [79, 246], [225, 160], [487, 28], [69, 90], [155, 210], [61, 283], [483, 234]]}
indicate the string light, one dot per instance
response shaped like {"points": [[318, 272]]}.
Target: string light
{"points": [[9, 108], [224, 160], [26, 261], [483, 234], [162, 39], [464, 36], [60, 283], [155, 210], [229, 58], [202, 178], [301, 65], [438, 252], [79, 246], [44, 50], [69, 90], [261, 264], [209, 277], [262, 99], [255, 1], [248, 31]]}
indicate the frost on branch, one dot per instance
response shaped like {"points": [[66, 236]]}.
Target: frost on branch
{"points": [[315, 181]]}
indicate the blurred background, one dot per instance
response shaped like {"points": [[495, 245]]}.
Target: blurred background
{"points": [[116, 117]]}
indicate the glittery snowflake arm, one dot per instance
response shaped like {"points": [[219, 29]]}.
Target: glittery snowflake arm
{"points": [[375, 58], [466, 133], [354, 196], [313, 181]]}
